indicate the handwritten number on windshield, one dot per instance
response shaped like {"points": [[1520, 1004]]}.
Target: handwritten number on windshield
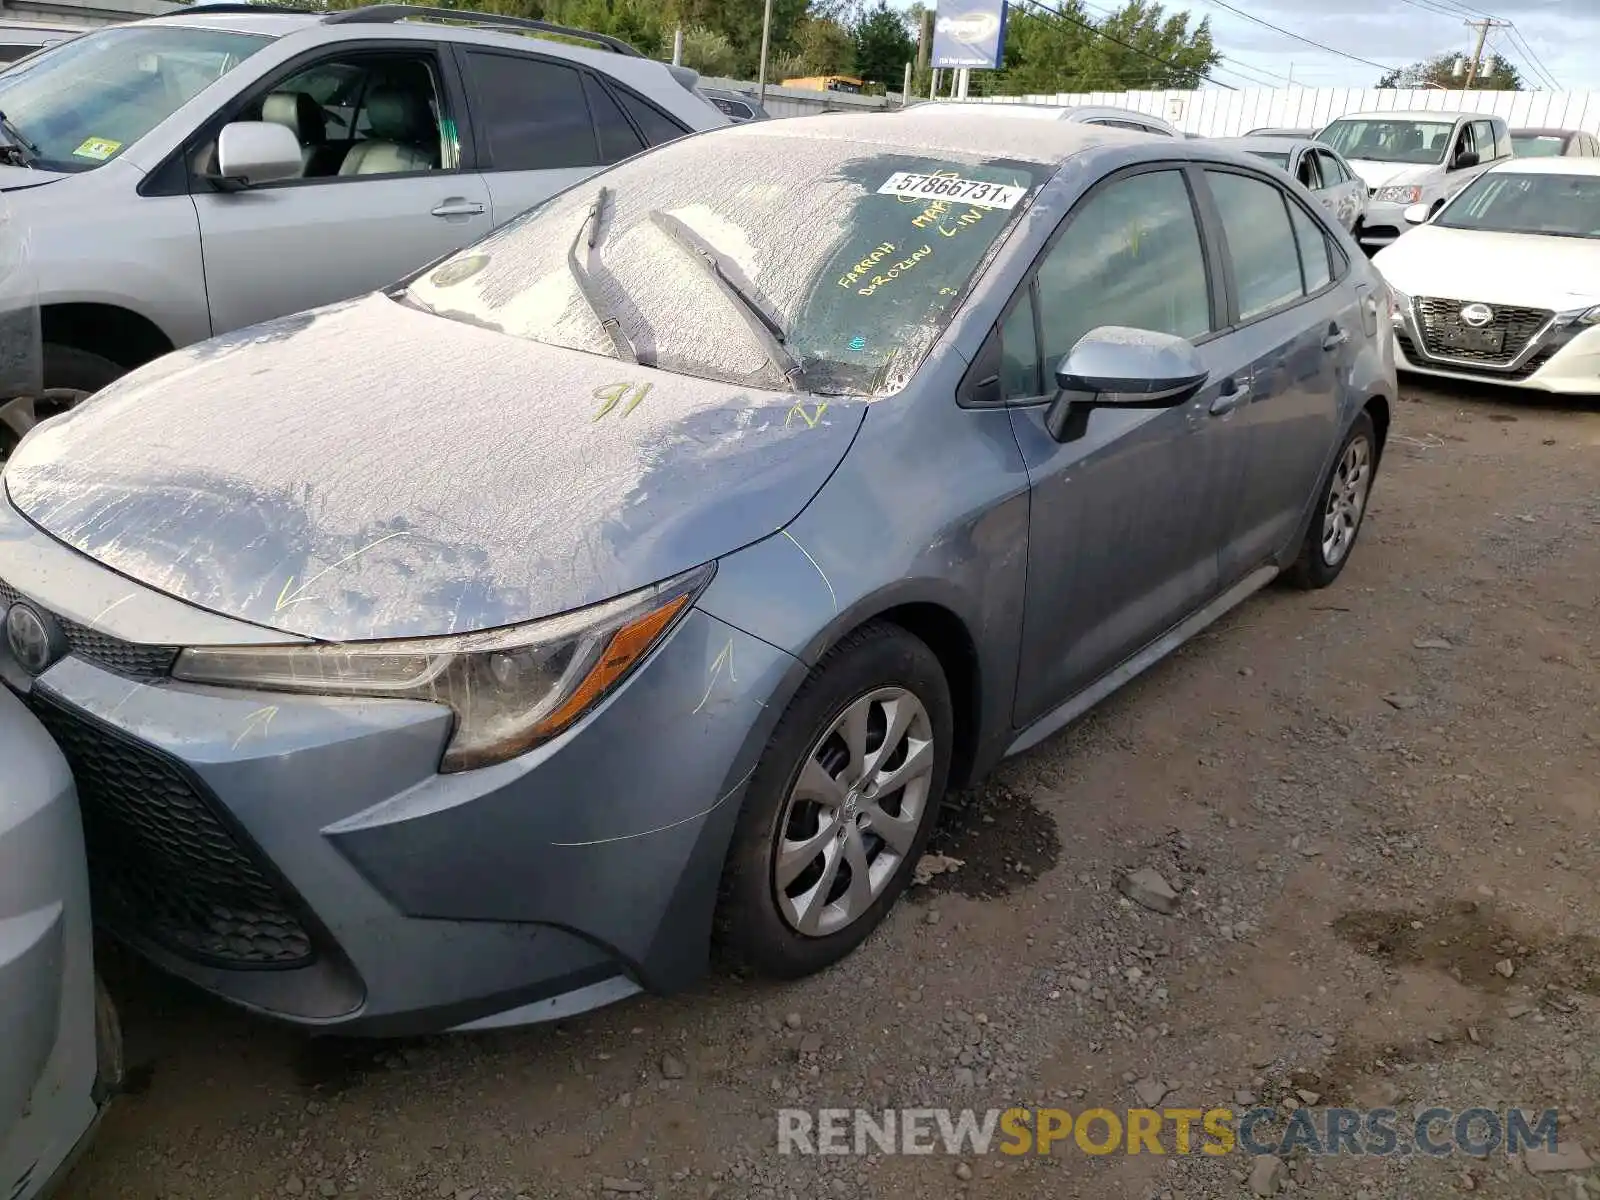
{"points": [[613, 394]]}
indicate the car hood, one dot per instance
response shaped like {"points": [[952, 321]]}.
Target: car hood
{"points": [[1527, 270], [1387, 174], [368, 470]]}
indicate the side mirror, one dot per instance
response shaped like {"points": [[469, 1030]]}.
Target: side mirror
{"points": [[1117, 366], [253, 152], [1465, 159], [1416, 214]]}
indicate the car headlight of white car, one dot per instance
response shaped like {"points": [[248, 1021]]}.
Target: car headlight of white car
{"points": [[1399, 195], [1580, 316], [1399, 306]]}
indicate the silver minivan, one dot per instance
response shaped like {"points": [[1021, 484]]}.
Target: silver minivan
{"points": [[1408, 158]]}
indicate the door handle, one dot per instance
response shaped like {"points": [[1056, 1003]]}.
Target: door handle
{"points": [[458, 206], [1335, 339], [1233, 394]]}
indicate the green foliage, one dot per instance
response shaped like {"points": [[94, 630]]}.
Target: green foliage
{"points": [[1047, 50], [883, 46], [1495, 75]]}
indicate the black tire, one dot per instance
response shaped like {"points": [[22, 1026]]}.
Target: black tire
{"points": [[751, 931], [111, 1070], [1312, 569], [72, 369]]}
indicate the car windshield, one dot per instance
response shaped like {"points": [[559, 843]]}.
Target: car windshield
{"points": [[1537, 145], [81, 103], [1394, 141], [1508, 202], [821, 263], [1274, 157]]}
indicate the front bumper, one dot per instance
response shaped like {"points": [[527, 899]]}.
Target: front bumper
{"points": [[302, 857], [1558, 359]]}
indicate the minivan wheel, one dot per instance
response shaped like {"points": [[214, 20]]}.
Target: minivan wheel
{"points": [[1335, 525], [840, 806], [70, 369]]}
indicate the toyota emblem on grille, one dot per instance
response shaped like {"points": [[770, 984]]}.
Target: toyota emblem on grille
{"points": [[34, 638], [1477, 315]]}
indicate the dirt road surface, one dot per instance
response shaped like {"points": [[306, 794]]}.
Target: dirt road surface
{"points": [[1377, 804]]}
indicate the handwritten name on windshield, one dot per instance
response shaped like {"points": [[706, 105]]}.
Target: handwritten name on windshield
{"points": [[863, 268], [897, 270]]}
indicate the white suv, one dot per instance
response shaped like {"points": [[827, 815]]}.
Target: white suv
{"points": [[188, 175]]}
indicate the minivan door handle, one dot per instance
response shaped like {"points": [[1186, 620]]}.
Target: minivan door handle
{"points": [[458, 206], [1336, 338]]}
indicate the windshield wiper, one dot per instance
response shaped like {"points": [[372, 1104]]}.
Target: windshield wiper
{"points": [[21, 150], [589, 232], [766, 330]]}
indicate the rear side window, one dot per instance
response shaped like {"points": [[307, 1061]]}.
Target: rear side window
{"points": [[1332, 171], [1261, 242], [657, 126], [531, 112], [617, 138], [1315, 269]]}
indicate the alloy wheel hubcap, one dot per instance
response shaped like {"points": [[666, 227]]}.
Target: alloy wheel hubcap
{"points": [[1347, 501], [854, 810]]}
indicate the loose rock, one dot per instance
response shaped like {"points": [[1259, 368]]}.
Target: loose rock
{"points": [[1401, 700], [1266, 1176], [1567, 1156], [1146, 888], [673, 1067]]}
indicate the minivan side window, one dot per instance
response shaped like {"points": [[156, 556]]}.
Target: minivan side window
{"points": [[1261, 242], [532, 113], [1130, 255], [1502, 141], [1483, 135]]}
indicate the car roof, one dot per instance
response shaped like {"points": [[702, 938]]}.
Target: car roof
{"points": [[1033, 110], [1265, 142], [1418, 114], [1547, 166], [1543, 131], [1047, 142]]}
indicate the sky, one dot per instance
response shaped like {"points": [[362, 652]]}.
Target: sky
{"points": [[1563, 35]]}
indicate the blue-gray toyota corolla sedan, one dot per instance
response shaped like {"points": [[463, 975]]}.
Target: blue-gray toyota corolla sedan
{"points": [[639, 579]]}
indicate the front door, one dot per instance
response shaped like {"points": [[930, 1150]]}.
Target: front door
{"points": [[380, 193], [1125, 522]]}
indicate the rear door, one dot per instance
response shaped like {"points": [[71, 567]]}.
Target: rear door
{"points": [[383, 189], [1341, 192], [1295, 323], [543, 124]]}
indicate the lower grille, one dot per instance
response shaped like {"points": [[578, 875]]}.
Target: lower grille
{"points": [[131, 659], [163, 864], [1535, 360], [1439, 322]]}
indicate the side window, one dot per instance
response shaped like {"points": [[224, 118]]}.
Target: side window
{"points": [[1333, 172], [617, 138], [1266, 259], [1129, 255], [1308, 173], [1315, 271], [1483, 136], [1502, 141], [1019, 352], [531, 112], [369, 114], [1466, 140], [656, 125]]}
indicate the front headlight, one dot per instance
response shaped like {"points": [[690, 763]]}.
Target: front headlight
{"points": [[509, 688], [1399, 195], [1399, 306]]}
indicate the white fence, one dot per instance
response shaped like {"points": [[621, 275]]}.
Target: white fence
{"points": [[1218, 113]]}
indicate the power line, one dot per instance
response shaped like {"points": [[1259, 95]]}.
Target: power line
{"points": [[1453, 8], [1235, 67], [1155, 58], [1537, 61], [1297, 37]]}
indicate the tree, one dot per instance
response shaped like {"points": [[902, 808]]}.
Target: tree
{"points": [[824, 46], [1140, 47], [1495, 75], [883, 46], [706, 51]]}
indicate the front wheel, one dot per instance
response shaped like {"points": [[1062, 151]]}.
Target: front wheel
{"points": [[1343, 503], [840, 806]]}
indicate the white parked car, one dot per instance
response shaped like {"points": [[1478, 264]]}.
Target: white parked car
{"points": [[1503, 282], [1408, 158], [1317, 168]]}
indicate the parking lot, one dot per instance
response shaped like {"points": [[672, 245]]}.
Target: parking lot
{"points": [[1377, 804]]}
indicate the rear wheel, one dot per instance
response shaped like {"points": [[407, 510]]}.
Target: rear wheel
{"points": [[1335, 525], [71, 376], [840, 807]]}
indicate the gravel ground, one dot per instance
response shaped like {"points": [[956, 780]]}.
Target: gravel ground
{"points": [[1376, 806]]}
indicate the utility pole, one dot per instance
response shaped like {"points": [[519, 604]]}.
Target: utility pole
{"points": [[766, 41], [1483, 27]]}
